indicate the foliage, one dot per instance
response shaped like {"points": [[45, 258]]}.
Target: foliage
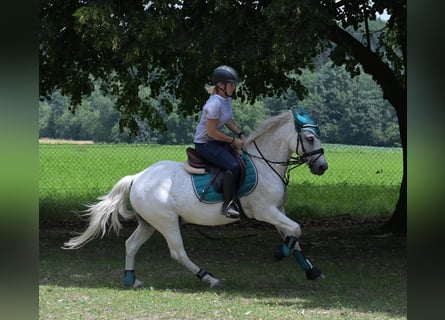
{"points": [[350, 111], [96, 118], [172, 46]]}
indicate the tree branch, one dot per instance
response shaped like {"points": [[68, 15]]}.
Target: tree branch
{"points": [[394, 92]]}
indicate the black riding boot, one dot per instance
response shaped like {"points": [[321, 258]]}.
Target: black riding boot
{"points": [[229, 207]]}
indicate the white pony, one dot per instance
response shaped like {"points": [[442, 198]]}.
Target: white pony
{"points": [[163, 194]]}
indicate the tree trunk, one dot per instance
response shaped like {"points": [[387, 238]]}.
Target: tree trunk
{"points": [[398, 222], [395, 93]]}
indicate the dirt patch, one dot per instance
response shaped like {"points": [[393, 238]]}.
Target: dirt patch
{"points": [[370, 226], [339, 238], [63, 141]]}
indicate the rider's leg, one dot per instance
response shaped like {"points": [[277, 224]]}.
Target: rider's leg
{"points": [[230, 182], [229, 208], [218, 153]]}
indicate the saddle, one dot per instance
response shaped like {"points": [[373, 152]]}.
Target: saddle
{"points": [[194, 160], [207, 179]]}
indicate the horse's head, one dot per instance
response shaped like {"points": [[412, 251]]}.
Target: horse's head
{"points": [[308, 144]]}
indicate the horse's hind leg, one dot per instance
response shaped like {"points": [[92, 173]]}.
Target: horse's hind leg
{"points": [[172, 235], [142, 233]]}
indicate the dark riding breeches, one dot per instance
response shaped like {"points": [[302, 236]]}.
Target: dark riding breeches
{"points": [[219, 154]]}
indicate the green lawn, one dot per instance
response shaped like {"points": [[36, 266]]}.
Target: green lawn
{"points": [[360, 180], [365, 276], [339, 213]]}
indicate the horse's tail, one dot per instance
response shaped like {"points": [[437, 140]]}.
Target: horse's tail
{"points": [[107, 209]]}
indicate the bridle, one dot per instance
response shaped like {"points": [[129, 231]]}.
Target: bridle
{"points": [[304, 157], [294, 161]]}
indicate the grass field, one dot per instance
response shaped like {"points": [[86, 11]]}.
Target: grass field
{"points": [[365, 275], [360, 180], [340, 214]]}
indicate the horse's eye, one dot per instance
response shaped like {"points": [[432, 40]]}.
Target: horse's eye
{"points": [[310, 138]]}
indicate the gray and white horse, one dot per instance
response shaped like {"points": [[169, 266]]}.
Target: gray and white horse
{"points": [[162, 195]]}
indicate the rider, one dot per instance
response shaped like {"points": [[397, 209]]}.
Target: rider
{"points": [[211, 143]]}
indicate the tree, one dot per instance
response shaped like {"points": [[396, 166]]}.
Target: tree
{"points": [[350, 110], [93, 120], [172, 46]]}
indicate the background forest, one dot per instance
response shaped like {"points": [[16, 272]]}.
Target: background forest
{"points": [[349, 110]]}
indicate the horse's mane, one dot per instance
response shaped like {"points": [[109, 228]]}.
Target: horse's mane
{"points": [[270, 123]]}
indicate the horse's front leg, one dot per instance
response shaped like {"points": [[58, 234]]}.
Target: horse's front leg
{"points": [[291, 246], [291, 232]]}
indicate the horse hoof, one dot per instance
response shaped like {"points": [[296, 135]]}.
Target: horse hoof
{"points": [[278, 253], [130, 280], [314, 274], [216, 285], [137, 284]]}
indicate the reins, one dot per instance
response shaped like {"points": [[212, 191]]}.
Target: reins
{"points": [[292, 163]]}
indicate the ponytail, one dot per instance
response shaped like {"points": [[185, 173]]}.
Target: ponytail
{"points": [[210, 89]]}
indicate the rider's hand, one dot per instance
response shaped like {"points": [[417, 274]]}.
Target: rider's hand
{"points": [[239, 143]]}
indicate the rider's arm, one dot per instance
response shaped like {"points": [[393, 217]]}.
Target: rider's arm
{"points": [[216, 134], [233, 127]]}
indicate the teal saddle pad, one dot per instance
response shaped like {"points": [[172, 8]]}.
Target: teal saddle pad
{"points": [[201, 181]]}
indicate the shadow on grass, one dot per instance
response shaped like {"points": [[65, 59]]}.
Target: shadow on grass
{"points": [[365, 270]]}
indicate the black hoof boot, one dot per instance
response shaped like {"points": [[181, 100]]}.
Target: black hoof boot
{"points": [[314, 274], [278, 253]]}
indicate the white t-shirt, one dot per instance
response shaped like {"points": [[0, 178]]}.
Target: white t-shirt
{"points": [[216, 107]]}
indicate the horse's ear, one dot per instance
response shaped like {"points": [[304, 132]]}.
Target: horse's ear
{"points": [[303, 119], [299, 118]]}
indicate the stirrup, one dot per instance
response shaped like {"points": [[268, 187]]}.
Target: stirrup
{"points": [[231, 210]]}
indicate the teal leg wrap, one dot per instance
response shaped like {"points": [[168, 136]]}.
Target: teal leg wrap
{"points": [[302, 261], [129, 278], [288, 246]]}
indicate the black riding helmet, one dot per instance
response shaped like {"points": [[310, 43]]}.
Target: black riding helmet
{"points": [[225, 74]]}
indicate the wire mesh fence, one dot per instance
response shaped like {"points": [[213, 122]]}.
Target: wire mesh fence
{"points": [[360, 179]]}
